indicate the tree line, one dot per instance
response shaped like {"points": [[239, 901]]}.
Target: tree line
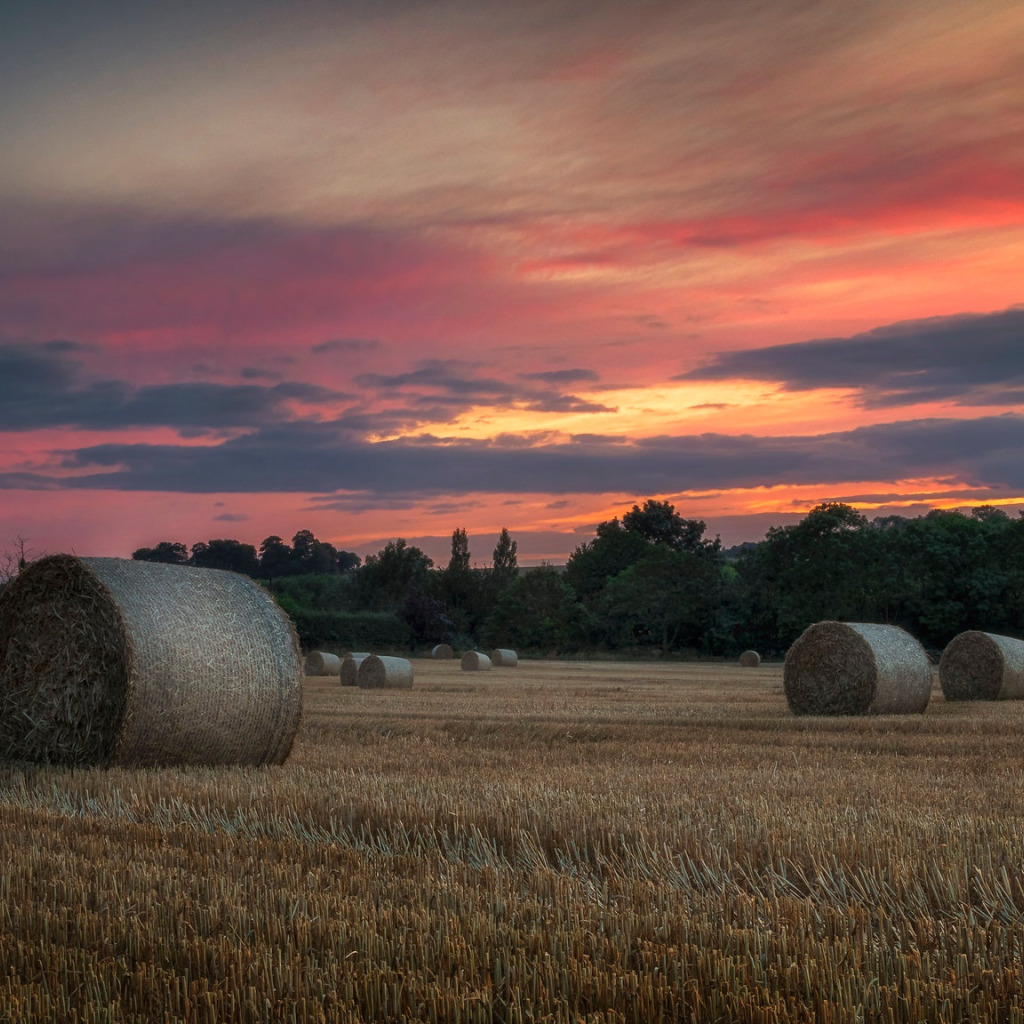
{"points": [[651, 582]]}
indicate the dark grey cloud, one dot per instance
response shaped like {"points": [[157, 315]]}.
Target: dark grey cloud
{"points": [[986, 453], [41, 386], [453, 382], [971, 359], [257, 373], [345, 345], [575, 376]]}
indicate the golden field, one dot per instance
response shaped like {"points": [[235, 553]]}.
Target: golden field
{"points": [[562, 841]]}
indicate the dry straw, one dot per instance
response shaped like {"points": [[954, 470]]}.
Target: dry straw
{"points": [[856, 668], [442, 652], [982, 666], [322, 663], [474, 661], [350, 667], [504, 658], [750, 659], [105, 661], [377, 672]]}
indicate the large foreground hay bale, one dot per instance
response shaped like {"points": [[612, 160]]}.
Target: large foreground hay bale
{"points": [[474, 661], [442, 652], [982, 666], [381, 673], [856, 668], [504, 658], [350, 667], [750, 659], [105, 661], [322, 663]]}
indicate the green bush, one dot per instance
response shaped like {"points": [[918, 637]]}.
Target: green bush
{"points": [[362, 631]]}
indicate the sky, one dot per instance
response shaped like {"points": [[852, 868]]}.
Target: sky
{"points": [[388, 268]]}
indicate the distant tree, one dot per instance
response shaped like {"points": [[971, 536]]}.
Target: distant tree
{"points": [[668, 598], [538, 611], [232, 555], [384, 580], [595, 562], [506, 563], [459, 561], [166, 551], [817, 569], [348, 560], [659, 523], [13, 560], [275, 558], [427, 617]]}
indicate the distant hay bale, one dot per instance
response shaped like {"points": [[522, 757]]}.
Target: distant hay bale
{"points": [[982, 666], [350, 667], [377, 672], [106, 661], [474, 661], [442, 652], [504, 658], [322, 663], [856, 668], [750, 659]]}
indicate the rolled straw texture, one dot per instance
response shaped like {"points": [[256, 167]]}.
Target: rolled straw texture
{"points": [[504, 658], [105, 661], [350, 668], [750, 659], [856, 668], [474, 661], [322, 663], [442, 652], [382, 673], [982, 666]]}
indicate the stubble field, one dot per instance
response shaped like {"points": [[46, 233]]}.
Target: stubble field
{"points": [[556, 842]]}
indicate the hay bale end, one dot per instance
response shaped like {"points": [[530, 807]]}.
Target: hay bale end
{"points": [[350, 667], [474, 661], [982, 666], [504, 658], [322, 663], [377, 672], [750, 659], [442, 652], [856, 668]]}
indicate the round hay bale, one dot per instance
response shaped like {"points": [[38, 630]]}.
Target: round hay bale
{"points": [[442, 652], [350, 668], [750, 659], [380, 673], [474, 661], [982, 666], [106, 661], [856, 668], [504, 658], [322, 663]]}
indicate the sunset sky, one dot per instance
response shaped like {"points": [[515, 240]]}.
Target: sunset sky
{"points": [[391, 267]]}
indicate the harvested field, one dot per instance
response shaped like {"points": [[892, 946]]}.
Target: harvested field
{"points": [[583, 842]]}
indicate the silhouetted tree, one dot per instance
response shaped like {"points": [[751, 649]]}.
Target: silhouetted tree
{"points": [[505, 563], [275, 558], [231, 555], [166, 551]]}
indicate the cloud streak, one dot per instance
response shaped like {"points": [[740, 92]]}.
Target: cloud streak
{"points": [[319, 458], [972, 360]]}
